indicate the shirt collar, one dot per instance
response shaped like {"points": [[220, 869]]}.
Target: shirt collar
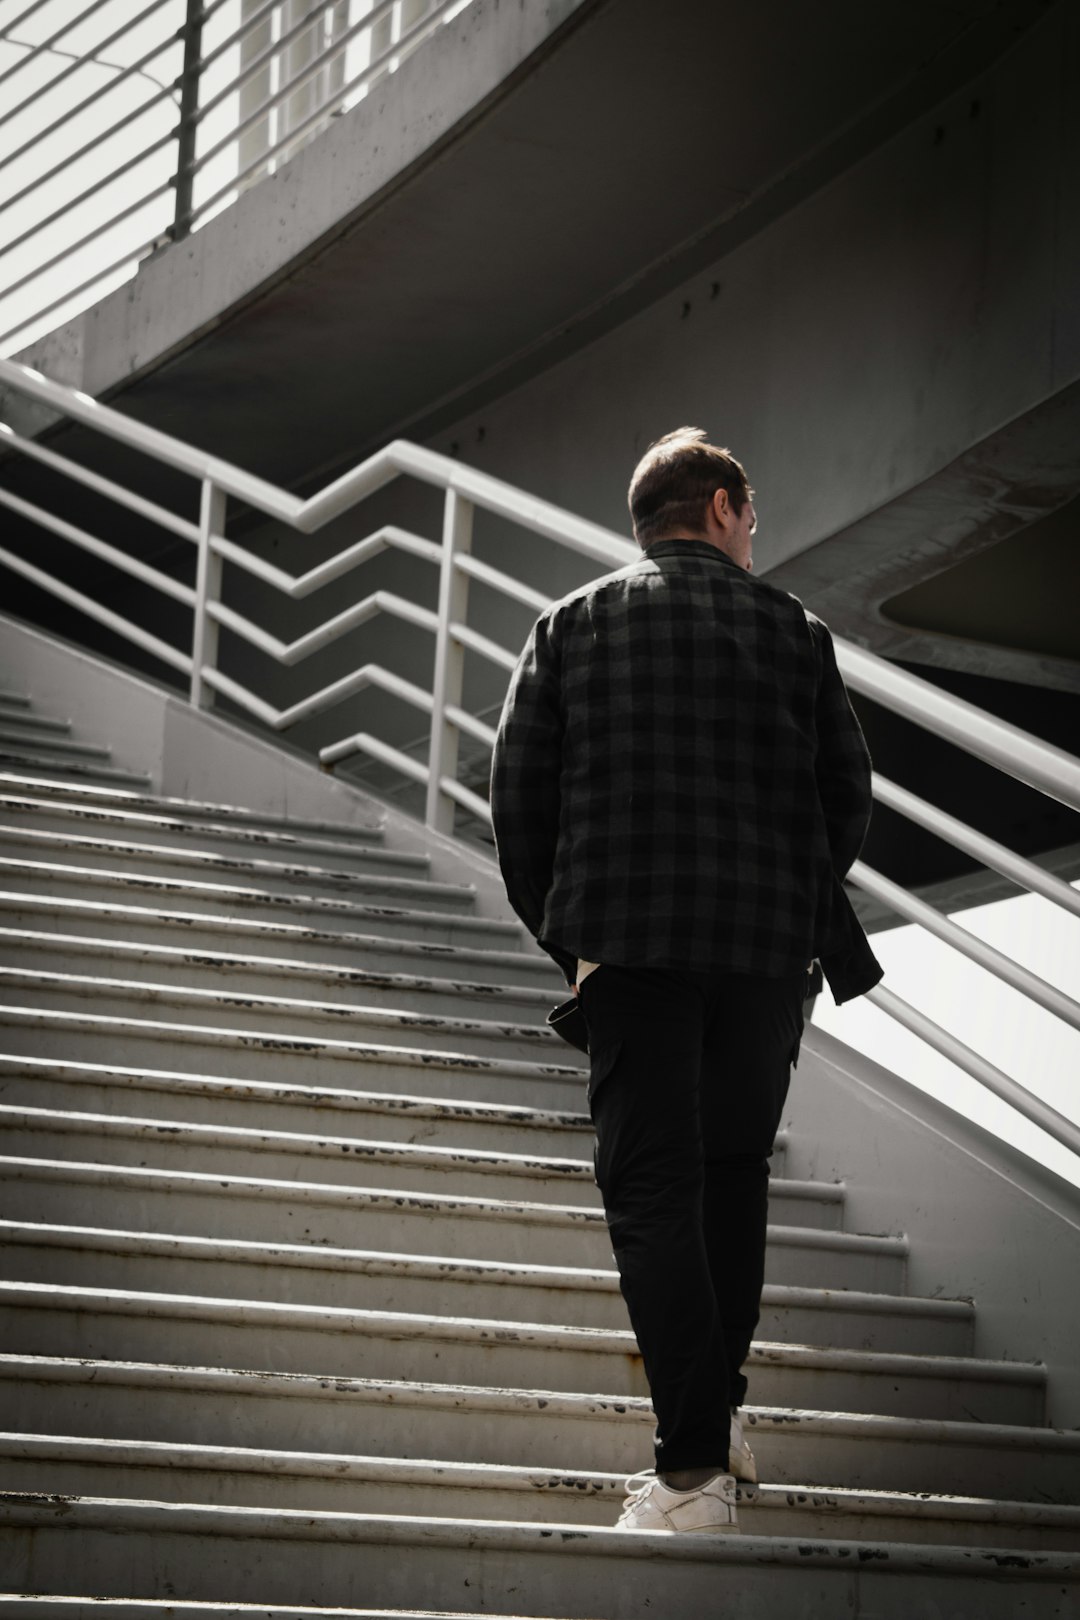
{"points": [[685, 547]]}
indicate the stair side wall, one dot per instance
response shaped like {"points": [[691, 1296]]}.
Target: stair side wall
{"points": [[985, 1222]]}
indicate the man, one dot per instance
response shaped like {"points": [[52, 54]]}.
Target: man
{"points": [[679, 786]]}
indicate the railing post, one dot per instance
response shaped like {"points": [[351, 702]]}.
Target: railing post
{"points": [[207, 589], [449, 659], [189, 107]]}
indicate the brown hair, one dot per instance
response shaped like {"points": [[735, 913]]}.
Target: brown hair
{"points": [[676, 478]]}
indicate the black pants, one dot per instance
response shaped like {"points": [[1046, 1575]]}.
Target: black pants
{"points": [[689, 1074]]}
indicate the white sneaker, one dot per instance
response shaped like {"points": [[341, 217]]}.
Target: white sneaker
{"points": [[740, 1458], [652, 1505]]}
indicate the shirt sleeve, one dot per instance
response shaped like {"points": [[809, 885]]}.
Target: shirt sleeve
{"points": [[525, 776], [843, 760]]}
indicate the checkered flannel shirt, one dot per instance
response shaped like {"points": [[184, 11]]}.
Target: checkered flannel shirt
{"points": [[679, 779]]}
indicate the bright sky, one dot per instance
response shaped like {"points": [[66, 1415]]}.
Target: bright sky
{"points": [[1031, 1046]]}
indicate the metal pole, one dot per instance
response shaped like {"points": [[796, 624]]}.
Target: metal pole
{"points": [[449, 661], [189, 107], [207, 589]]}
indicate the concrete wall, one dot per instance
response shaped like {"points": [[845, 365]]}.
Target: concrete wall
{"points": [[985, 1222], [859, 343]]}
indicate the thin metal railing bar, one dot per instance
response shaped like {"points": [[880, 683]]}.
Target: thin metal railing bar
{"points": [[468, 564], [275, 48], [365, 743], [1025, 1102], [92, 190], [294, 652], [398, 457], [389, 537], [46, 44], [237, 36], [495, 496], [466, 797], [310, 71], [469, 723], [99, 548], [103, 486], [480, 644], [84, 241], [1027, 758], [204, 16], [94, 610], [102, 45], [997, 856], [90, 146], [359, 680], [173, 452], [1010, 972], [299, 130], [73, 292], [243, 697]]}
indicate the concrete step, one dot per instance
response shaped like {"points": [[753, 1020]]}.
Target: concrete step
{"points": [[189, 810], [55, 952], [19, 762], [275, 873], [232, 1554], [213, 1099], [232, 1476], [45, 1319], [14, 700], [49, 740], [228, 837], [438, 906], [307, 1059], [546, 1429], [257, 1209], [314, 1275], [237, 1007], [515, 963], [340, 1161], [31, 719]]}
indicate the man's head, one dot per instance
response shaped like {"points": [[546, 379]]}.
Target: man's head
{"points": [[683, 486]]}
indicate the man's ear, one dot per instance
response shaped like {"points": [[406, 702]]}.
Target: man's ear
{"points": [[721, 506]]}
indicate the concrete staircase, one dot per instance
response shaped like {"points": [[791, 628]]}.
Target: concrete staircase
{"points": [[307, 1297]]}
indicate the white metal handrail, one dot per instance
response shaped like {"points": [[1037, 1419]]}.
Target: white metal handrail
{"points": [[979, 1068], [339, 64], [1024, 873], [1018, 754]]}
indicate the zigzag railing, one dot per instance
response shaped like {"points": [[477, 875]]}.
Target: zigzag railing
{"points": [[1040, 765]]}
